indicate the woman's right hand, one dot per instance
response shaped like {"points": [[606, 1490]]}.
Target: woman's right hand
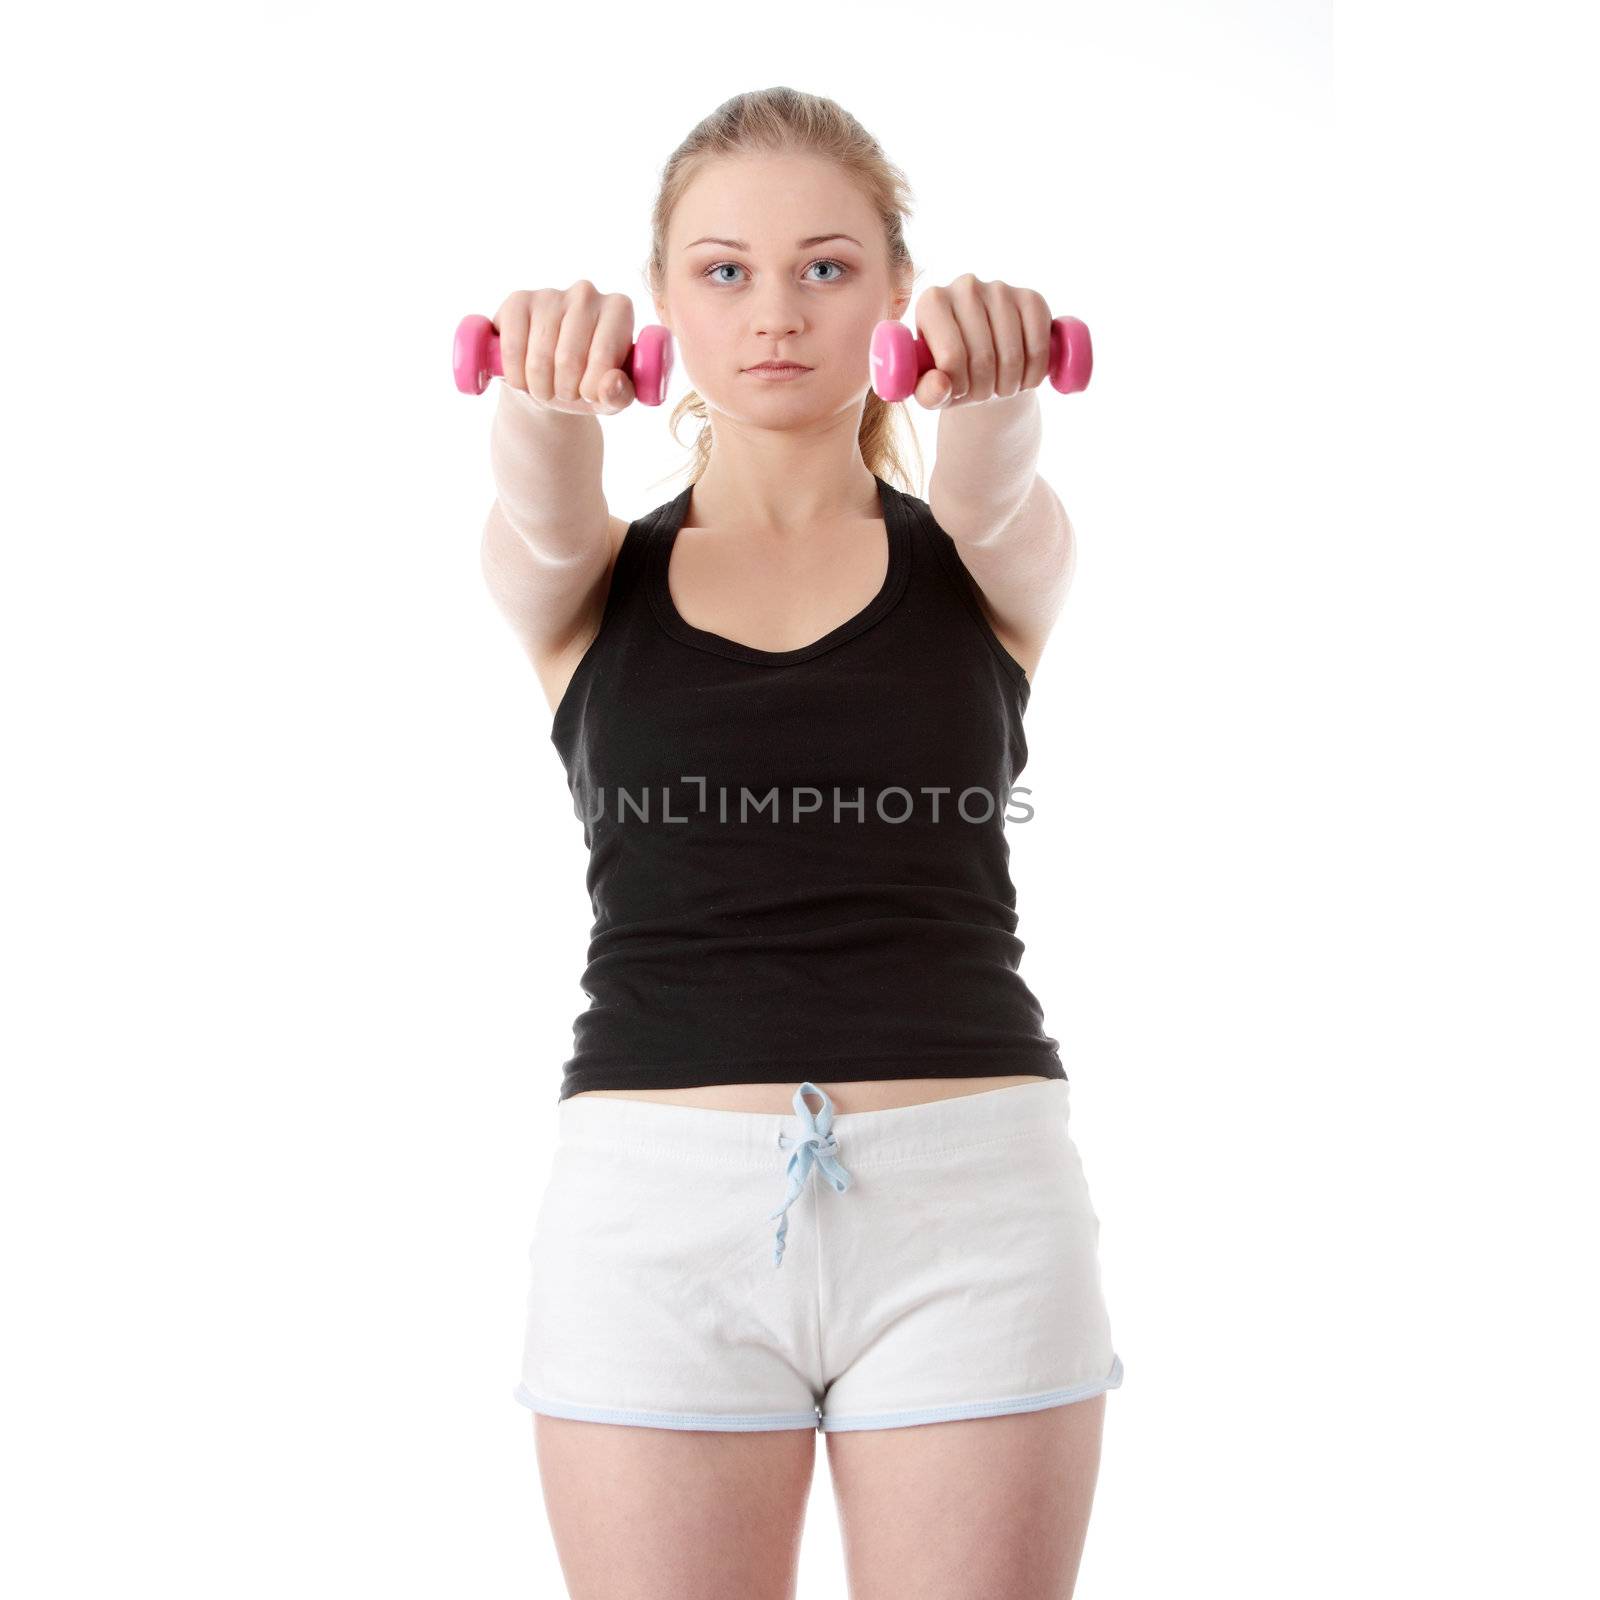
{"points": [[564, 348]]}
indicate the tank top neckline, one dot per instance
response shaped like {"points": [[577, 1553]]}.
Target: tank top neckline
{"points": [[897, 519]]}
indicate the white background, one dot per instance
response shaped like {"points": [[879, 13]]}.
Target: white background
{"points": [[294, 902]]}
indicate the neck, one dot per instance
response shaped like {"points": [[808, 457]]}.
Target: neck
{"points": [[781, 482]]}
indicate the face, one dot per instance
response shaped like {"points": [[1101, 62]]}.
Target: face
{"points": [[771, 295]]}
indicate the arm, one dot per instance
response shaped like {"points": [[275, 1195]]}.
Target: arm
{"points": [[547, 540], [1010, 529]]}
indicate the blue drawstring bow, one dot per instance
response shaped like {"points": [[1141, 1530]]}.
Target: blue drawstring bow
{"points": [[815, 1146]]}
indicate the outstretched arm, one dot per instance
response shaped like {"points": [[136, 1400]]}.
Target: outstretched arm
{"points": [[1008, 524]]}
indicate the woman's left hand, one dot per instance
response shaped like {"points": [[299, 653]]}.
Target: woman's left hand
{"points": [[988, 341]]}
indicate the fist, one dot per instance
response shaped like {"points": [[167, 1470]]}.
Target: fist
{"points": [[988, 341]]}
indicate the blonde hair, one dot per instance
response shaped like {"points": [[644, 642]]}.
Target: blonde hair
{"points": [[786, 121]]}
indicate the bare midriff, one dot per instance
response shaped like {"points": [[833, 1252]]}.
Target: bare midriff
{"points": [[867, 1094]]}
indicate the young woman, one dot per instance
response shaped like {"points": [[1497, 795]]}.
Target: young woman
{"points": [[789, 703]]}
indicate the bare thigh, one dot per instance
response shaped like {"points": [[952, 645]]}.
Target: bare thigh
{"points": [[986, 1508], [675, 1514]]}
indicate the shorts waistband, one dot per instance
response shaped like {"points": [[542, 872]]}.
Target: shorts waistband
{"points": [[751, 1139]]}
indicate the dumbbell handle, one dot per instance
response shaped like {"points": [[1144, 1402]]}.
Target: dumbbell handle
{"points": [[475, 359], [900, 357]]}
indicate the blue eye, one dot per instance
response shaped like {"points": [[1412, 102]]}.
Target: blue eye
{"points": [[822, 261]]}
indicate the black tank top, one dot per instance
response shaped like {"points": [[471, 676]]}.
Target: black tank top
{"points": [[798, 865]]}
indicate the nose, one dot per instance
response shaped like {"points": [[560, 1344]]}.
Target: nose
{"points": [[777, 321]]}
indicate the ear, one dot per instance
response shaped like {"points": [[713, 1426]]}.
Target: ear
{"points": [[902, 296]]}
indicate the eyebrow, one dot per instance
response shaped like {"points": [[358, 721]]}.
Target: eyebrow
{"points": [[799, 244]]}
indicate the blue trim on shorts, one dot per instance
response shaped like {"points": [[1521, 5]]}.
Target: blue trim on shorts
{"points": [[978, 1408], [725, 1422]]}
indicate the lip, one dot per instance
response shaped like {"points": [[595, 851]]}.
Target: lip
{"points": [[778, 369]]}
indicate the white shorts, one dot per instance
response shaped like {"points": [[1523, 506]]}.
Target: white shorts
{"points": [[941, 1263]]}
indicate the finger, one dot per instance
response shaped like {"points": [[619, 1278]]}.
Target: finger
{"points": [[571, 357], [938, 329], [972, 319], [511, 323], [1004, 310], [618, 390], [545, 310], [1035, 313], [605, 379], [934, 390]]}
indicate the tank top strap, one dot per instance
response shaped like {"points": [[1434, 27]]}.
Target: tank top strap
{"points": [[628, 575], [626, 629]]}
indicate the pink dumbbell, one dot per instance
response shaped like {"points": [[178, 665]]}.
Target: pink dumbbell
{"points": [[476, 359], [900, 357]]}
